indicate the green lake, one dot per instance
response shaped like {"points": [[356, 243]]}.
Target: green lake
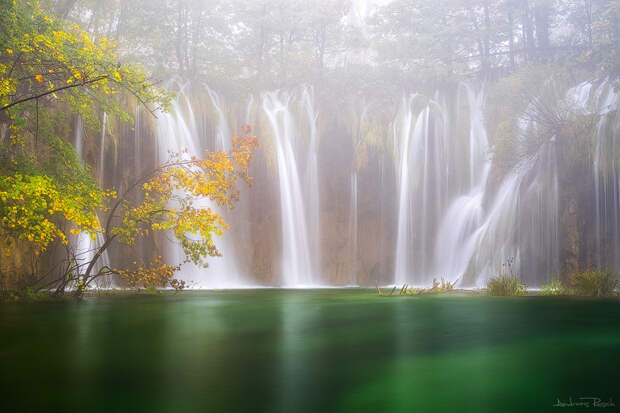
{"points": [[308, 351]]}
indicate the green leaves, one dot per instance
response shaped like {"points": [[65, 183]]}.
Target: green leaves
{"points": [[31, 205]]}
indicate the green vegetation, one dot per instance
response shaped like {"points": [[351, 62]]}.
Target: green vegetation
{"points": [[555, 287], [505, 286], [258, 44], [437, 288], [50, 68], [593, 283]]}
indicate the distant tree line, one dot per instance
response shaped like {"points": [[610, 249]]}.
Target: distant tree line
{"points": [[278, 42]]}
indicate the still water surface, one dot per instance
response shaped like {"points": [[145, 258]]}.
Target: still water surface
{"points": [[307, 351]]}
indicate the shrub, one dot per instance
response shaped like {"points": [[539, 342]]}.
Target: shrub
{"points": [[553, 288], [505, 285], [33, 295], [593, 283], [151, 289]]}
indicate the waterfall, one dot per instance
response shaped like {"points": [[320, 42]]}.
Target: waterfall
{"points": [[78, 142], [452, 220], [402, 137], [102, 150], [421, 144], [353, 231], [223, 135], [312, 182], [85, 249], [296, 265], [453, 251], [177, 131], [248, 110], [85, 246], [466, 232], [602, 101], [136, 143]]}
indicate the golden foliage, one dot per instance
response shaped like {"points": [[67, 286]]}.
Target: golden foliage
{"points": [[178, 197], [157, 275]]}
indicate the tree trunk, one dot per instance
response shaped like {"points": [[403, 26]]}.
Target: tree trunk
{"points": [[528, 32], [480, 41], [587, 4], [196, 34], [511, 43], [487, 34], [541, 18], [66, 7]]}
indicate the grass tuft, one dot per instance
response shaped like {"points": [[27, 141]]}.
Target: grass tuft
{"points": [[505, 286], [555, 287]]}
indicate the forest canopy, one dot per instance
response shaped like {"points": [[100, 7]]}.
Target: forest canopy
{"points": [[360, 45]]}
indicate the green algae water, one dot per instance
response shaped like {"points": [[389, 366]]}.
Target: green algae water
{"points": [[308, 351]]}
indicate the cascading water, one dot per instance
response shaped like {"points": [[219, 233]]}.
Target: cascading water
{"points": [[453, 252], [102, 150], [402, 141], [353, 231], [468, 232], [248, 110], [178, 131], [296, 266], [422, 145], [136, 143], [520, 227], [84, 246], [223, 135], [601, 101], [312, 182], [454, 221]]}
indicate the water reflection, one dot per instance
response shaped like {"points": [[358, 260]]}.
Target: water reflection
{"points": [[305, 351]]}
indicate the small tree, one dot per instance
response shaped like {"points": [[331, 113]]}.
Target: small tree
{"points": [[50, 68], [173, 200]]}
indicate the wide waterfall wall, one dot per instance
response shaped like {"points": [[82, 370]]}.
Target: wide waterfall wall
{"points": [[402, 192], [472, 232]]}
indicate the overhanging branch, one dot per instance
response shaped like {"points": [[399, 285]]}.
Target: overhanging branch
{"points": [[49, 92]]}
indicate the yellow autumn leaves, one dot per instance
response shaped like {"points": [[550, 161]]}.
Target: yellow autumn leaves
{"points": [[30, 207], [172, 199]]}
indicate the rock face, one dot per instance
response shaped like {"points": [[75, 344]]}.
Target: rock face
{"points": [[264, 252], [15, 268], [571, 244], [335, 242]]}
